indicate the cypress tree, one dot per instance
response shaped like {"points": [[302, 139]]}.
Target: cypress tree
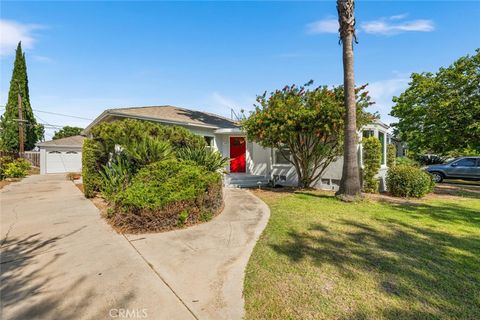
{"points": [[8, 122]]}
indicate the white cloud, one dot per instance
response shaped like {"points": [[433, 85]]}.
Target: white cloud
{"points": [[385, 26], [11, 32], [382, 93], [327, 25]]}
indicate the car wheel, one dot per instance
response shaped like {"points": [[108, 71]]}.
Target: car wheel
{"points": [[437, 177]]}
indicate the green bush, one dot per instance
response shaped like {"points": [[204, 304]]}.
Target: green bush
{"points": [[17, 169], [405, 161], [372, 157], [391, 155], [4, 161], [91, 165], [161, 191], [147, 150], [129, 131], [407, 181], [203, 156], [115, 177]]}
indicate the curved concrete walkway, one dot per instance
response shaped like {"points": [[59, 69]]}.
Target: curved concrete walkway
{"points": [[205, 264], [60, 260]]}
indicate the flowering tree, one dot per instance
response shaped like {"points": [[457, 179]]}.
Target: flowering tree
{"points": [[309, 123]]}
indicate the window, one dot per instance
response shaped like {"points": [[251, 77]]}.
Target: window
{"points": [[467, 162], [381, 137], [209, 141], [367, 133], [71, 152], [280, 159], [55, 152]]}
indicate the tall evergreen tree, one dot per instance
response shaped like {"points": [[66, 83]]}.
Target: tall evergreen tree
{"points": [[8, 122]]}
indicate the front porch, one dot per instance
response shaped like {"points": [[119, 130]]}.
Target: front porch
{"points": [[244, 180]]}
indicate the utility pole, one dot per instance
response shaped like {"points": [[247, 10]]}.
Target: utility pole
{"points": [[20, 124]]}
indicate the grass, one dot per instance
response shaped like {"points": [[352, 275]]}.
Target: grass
{"points": [[319, 258]]}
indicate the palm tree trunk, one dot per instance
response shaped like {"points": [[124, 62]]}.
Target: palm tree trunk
{"points": [[350, 187]]}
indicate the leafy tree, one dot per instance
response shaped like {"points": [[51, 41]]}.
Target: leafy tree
{"points": [[440, 113], [307, 122], [350, 183], [67, 131], [8, 122]]}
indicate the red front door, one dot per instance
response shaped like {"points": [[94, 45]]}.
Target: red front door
{"points": [[237, 154]]}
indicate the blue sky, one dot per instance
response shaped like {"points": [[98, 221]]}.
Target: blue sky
{"points": [[85, 57]]}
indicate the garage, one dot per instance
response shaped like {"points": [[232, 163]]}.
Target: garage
{"points": [[61, 155]]}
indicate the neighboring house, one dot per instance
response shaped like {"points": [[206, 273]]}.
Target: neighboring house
{"points": [[61, 155], [250, 164]]}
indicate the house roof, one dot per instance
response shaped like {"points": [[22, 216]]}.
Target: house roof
{"points": [[169, 114], [73, 141]]}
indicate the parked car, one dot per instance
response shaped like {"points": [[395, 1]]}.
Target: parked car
{"points": [[465, 168]]}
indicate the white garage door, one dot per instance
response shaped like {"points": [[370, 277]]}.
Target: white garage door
{"points": [[63, 161]]}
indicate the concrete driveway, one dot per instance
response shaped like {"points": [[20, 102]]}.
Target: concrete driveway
{"points": [[60, 260]]}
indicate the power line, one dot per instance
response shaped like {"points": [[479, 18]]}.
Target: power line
{"points": [[58, 114]]}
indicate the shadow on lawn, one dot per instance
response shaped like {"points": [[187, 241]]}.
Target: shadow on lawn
{"points": [[23, 278], [437, 271]]}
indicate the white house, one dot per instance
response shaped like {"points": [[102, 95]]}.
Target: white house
{"points": [[250, 163]]}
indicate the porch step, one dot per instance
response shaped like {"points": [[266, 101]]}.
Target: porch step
{"points": [[245, 180]]}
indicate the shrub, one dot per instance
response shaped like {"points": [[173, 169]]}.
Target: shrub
{"points": [[372, 157], [203, 156], [92, 179], [405, 161], [17, 169], [4, 161], [121, 132], [391, 155], [161, 192], [115, 177], [147, 150], [407, 181]]}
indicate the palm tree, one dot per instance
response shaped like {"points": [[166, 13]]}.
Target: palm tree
{"points": [[350, 184]]}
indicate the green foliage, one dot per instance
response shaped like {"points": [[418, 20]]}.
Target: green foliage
{"points": [[407, 181], [391, 155], [4, 161], [8, 123], [67, 131], [405, 161], [147, 150], [212, 160], [205, 216], [372, 157], [307, 122], [440, 113], [18, 168], [91, 164], [162, 183], [115, 177], [182, 217], [130, 131]]}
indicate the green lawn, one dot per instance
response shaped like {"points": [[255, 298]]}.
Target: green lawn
{"points": [[320, 258]]}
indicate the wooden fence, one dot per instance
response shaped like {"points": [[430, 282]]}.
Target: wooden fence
{"points": [[32, 156]]}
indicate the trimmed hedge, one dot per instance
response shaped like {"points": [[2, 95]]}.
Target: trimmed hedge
{"points": [[391, 155], [408, 181], [92, 179], [372, 159], [167, 194]]}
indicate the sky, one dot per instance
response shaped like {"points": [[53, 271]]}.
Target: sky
{"points": [[85, 57]]}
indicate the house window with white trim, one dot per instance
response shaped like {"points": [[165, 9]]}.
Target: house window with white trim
{"points": [[282, 157], [208, 141]]}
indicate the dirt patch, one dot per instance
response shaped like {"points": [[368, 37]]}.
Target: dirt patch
{"points": [[4, 183]]}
